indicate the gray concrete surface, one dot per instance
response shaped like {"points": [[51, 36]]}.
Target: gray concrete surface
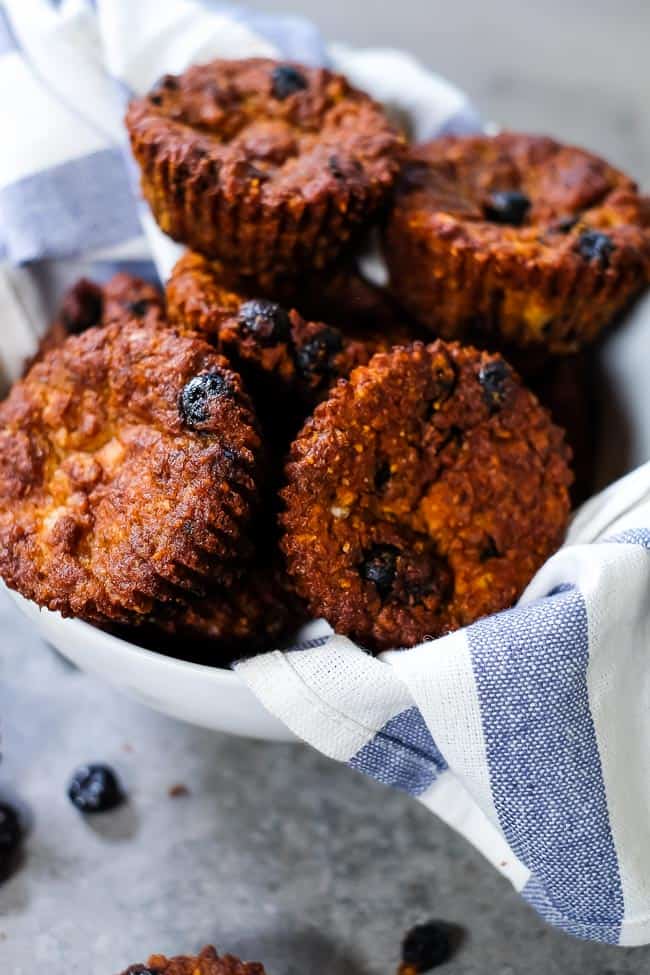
{"points": [[278, 853]]}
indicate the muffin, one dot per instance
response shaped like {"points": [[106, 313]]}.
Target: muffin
{"points": [[253, 614], [87, 304], [207, 962], [288, 363], [128, 474], [269, 166], [341, 296], [424, 493], [516, 240]]}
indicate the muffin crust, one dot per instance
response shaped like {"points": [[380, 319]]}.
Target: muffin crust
{"points": [[269, 175], [516, 239], [422, 495], [128, 466]]}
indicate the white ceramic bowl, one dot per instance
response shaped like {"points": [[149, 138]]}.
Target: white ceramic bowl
{"points": [[205, 696]]}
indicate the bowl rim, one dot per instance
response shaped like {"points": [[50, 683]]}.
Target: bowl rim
{"points": [[216, 674]]}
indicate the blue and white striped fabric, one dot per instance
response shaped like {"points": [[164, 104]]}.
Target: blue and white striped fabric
{"points": [[527, 731]]}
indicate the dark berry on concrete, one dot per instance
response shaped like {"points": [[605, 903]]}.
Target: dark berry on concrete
{"points": [[95, 788]]}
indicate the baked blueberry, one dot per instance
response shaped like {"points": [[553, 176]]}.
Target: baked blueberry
{"points": [[334, 166], [138, 308], [266, 320], [95, 788], [287, 80], [380, 566], [493, 377], [507, 206], [199, 393], [595, 246], [314, 356]]}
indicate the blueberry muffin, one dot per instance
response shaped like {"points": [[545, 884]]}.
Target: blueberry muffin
{"points": [[269, 166], [342, 296], [128, 473], [207, 962], [516, 240], [423, 494], [287, 362], [87, 304]]}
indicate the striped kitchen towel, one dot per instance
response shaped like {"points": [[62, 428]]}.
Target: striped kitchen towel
{"points": [[527, 731]]}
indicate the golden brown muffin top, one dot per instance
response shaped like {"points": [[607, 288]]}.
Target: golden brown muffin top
{"points": [[254, 332], [283, 129], [525, 195], [127, 472], [423, 494]]}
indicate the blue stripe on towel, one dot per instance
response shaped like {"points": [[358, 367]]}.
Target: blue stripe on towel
{"points": [[8, 41], [632, 536], [530, 666], [535, 894], [73, 208], [402, 754]]}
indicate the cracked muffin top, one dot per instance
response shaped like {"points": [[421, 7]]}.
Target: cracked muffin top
{"points": [[516, 239], [128, 459], [276, 349], [270, 166], [295, 130]]}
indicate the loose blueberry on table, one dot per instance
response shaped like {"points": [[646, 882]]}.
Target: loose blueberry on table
{"points": [[95, 788], [428, 945], [11, 836]]}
